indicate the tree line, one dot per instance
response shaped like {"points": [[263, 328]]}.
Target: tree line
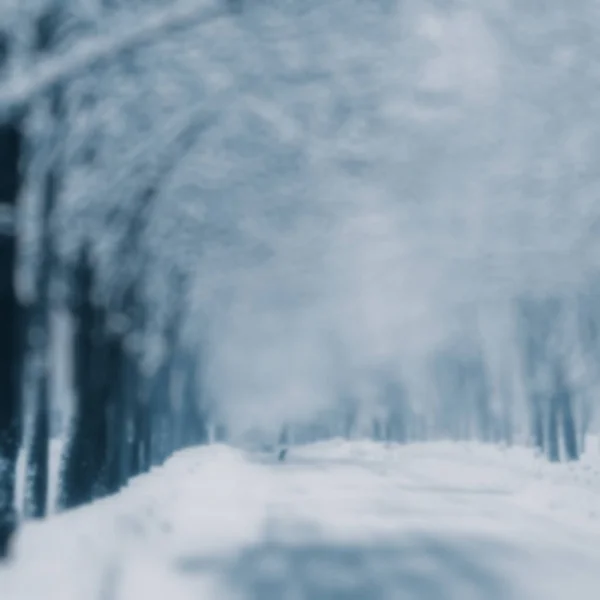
{"points": [[99, 113]]}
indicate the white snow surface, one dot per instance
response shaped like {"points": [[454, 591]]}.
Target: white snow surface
{"points": [[337, 520]]}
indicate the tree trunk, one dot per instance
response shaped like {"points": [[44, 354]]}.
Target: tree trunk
{"points": [[88, 445], [38, 453], [113, 476], [38, 456], [482, 399], [553, 430], [538, 424], [194, 421], [10, 356], [161, 415], [47, 28], [564, 404], [131, 411], [569, 428], [144, 432]]}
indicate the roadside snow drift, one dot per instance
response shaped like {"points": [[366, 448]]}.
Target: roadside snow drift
{"points": [[336, 520]]}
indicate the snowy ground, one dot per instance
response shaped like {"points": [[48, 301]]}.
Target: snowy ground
{"points": [[336, 521]]}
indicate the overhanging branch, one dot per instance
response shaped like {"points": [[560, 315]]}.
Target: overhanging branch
{"points": [[19, 88]]}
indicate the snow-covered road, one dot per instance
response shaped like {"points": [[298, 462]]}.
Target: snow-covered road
{"points": [[338, 520]]}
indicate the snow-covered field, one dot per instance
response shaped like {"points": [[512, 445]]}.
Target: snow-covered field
{"points": [[338, 520]]}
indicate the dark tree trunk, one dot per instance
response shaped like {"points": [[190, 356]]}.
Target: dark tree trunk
{"points": [[395, 428], [194, 427], [88, 445], [222, 434], [144, 432], [135, 426], [133, 416], [348, 424], [114, 476], [165, 421], [394, 397], [10, 363], [122, 426], [165, 446], [507, 425], [284, 438], [131, 397], [38, 453], [569, 428], [159, 408], [553, 429], [538, 425], [38, 457], [564, 405], [482, 400], [46, 31], [585, 420]]}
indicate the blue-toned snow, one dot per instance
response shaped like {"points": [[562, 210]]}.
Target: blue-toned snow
{"points": [[337, 520]]}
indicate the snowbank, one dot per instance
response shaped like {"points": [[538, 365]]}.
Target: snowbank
{"points": [[336, 520]]}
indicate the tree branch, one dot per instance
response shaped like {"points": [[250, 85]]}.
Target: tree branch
{"points": [[19, 88]]}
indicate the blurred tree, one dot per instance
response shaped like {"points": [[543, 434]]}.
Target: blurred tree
{"points": [[11, 140]]}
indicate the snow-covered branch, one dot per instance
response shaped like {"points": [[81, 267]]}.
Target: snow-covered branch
{"points": [[20, 87]]}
